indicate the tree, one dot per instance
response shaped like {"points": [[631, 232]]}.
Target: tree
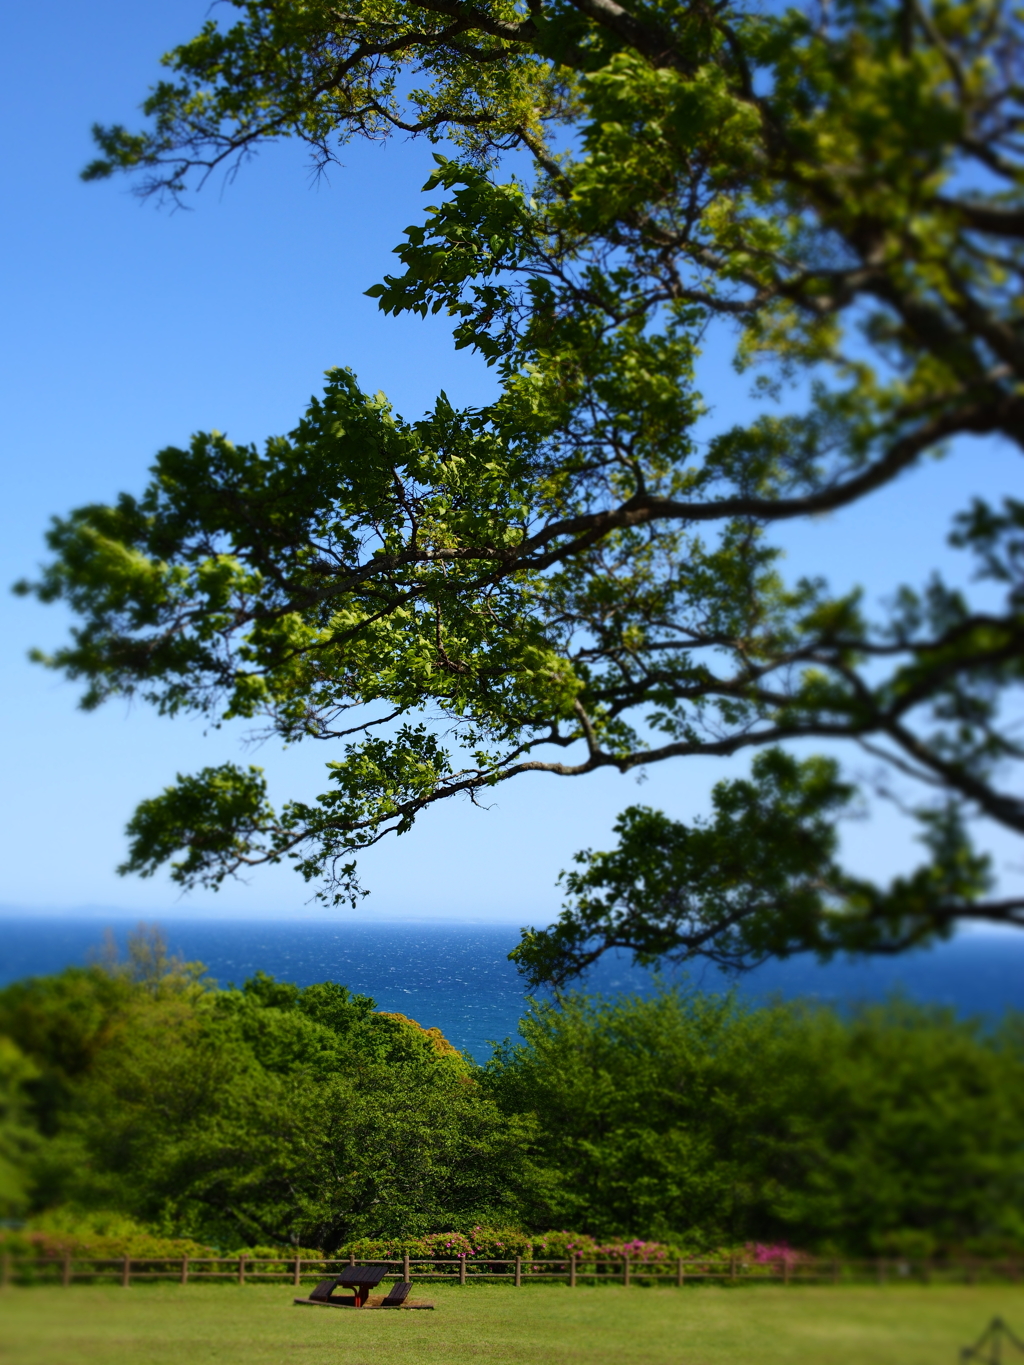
{"points": [[271, 1115], [891, 1129], [252, 1123], [571, 577], [17, 1138]]}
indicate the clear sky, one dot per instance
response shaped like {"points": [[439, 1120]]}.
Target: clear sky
{"points": [[125, 329]]}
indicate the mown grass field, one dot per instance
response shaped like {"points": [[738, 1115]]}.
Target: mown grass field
{"points": [[543, 1325]]}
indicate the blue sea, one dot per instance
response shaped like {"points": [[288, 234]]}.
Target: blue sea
{"points": [[457, 977]]}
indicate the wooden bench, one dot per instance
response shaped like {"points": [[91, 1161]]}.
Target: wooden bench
{"points": [[399, 1298], [322, 1295]]}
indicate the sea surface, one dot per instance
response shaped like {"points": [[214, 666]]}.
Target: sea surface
{"points": [[457, 977]]}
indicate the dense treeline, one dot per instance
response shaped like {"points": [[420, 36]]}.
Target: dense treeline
{"points": [[273, 1115], [896, 1127], [267, 1115]]}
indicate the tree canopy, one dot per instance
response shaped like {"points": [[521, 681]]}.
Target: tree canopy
{"points": [[270, 1114], [276, 1116], [894, 1127], [581, 574]]}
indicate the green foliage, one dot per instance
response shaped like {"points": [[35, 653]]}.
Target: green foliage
{"points": [[482, 1246], [759, 880], [140, 1106], [475, 1243], [270, 1115], [17, 1136], [206, 1138], [64, 1023], [76, 1232], [568, 578], [689, 1116]]}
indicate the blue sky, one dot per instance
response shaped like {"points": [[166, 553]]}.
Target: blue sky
{"points": [[127, 328]]}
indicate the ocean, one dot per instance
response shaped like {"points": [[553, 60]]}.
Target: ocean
{"points": [[457, 977]]}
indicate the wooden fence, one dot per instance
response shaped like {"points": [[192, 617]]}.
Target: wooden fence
{"points": [[521, 1270]]}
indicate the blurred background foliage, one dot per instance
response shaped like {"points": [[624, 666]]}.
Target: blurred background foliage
{"points": [[139, 1101]]}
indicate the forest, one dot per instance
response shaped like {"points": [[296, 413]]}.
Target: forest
{"points": [[139, 1097]]}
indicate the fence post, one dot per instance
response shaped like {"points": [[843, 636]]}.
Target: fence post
{"points": [[572, 1270], [680, 1273], [625, 1267], [297, 1273], [351, 1258], [406, 1272], [462, 1268], [65, 1270], [184, 1270], [126, 1272], [241, 1270], [519, 1272]]}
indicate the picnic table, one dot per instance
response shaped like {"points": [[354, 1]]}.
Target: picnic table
{"points": [[361, 1279]]}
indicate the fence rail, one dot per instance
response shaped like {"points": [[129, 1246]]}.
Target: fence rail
{"points": [[520, 1270]]}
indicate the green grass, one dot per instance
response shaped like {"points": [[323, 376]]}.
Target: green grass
{"points": [[498, 1325]]}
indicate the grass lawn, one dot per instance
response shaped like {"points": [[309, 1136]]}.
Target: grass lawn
{"points": [[498, 1325]]}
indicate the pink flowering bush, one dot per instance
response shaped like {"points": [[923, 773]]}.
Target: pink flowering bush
{"points": [[639, 1250], [657, 1258], [483, 1246], [560, 1246], [771, 1253]]}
